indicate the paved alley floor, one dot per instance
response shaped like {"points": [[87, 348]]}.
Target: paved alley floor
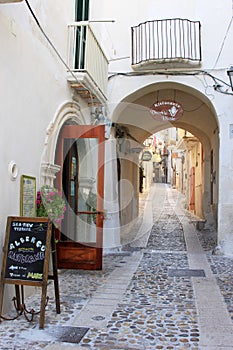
{"points": [[164, 289]]}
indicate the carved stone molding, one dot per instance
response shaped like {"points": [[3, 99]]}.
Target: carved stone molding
{"points": [[48, 173]]}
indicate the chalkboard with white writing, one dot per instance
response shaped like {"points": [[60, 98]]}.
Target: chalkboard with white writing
{"points": [[28, 244], [26, 250]]}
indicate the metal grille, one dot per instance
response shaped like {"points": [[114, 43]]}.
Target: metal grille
{"points": [[166, 40], [186, 273]]}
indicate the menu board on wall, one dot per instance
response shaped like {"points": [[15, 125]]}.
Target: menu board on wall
{"points": [[28, 196]]}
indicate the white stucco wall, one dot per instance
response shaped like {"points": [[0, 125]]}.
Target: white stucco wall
{"points": [[36, 100], [33, 85], [214, 17], [216, 39]]}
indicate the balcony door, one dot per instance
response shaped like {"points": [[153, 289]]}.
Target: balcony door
{"points": [[81, 14], [82, 10], [80, 153]]}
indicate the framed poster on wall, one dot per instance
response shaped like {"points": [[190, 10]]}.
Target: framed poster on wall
{"points": [[28, 196]]}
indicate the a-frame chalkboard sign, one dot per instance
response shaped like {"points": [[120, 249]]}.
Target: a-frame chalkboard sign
{"points": [[26, 254]]}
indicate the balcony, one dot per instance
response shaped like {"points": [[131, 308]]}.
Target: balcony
{"points": [[88, 64], [168, 43]]}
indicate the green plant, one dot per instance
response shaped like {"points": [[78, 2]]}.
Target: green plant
{"points": [[51, 204]]}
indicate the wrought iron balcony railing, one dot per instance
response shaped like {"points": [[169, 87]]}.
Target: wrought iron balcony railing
{"points": [[87, 60], [168, 40]]}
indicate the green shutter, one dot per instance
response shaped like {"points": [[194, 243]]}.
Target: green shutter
{"points": [[82, 10]]}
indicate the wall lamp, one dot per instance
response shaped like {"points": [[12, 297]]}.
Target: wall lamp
{"points": [[230, 75], [98, 114]]}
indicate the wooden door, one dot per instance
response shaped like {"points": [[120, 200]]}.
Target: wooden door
{"points": [[80, 153], [70, 185]]}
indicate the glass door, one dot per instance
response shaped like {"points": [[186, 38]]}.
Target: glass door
{"points": [[81, 157]]}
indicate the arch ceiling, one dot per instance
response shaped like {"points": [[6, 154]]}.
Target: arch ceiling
{"points": [[199, 116]]}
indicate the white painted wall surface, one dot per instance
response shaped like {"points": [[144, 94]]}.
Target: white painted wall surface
{"points": [[217, 56], [33, 85], [36, 99], [214, 16]]}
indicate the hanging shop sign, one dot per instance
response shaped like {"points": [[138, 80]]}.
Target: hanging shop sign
{"points": [[146, 156], [166, 110]]}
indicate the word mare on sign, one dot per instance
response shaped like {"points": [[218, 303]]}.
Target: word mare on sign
{"points": [[26, 255], [26, 250]]}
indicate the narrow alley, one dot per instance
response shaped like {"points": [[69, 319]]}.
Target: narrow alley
{"points": [[165, 289]]}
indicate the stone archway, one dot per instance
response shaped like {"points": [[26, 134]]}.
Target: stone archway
{"points": [[67, 112], [199, 118]]}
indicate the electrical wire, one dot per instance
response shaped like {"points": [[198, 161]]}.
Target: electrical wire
{"points": [[194, 109], [198, 72], [174, 73], [54, 48], [223, 42], [119, 58]]}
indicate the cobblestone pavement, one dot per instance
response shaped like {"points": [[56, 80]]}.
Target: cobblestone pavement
{"points": [[157, 310]]}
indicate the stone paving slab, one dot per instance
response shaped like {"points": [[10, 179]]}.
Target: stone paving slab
{"points": [[113, 288], [214, 338]]}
